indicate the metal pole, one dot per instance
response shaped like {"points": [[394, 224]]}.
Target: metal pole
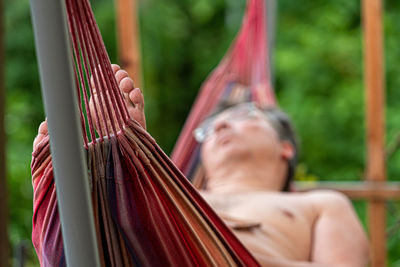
{"points": [[60, 99], [272, 15], [21, 254]]}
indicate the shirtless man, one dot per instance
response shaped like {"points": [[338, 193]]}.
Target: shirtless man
{"points": [[248, 156], [245, 153]]}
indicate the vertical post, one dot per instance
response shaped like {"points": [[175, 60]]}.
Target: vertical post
{"points": [[129, 39], [4, 245], [375, 98], [20, 254], [272, 16], [60, 99]]}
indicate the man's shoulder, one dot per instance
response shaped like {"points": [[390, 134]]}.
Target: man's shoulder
{"points": [[315, 198], [327, 199], [326, 195]]}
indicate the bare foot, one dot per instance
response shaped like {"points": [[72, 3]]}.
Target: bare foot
{"points": [[133, 98]]}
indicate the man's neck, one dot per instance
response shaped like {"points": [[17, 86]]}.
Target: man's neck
{"points": [[245, 177]]}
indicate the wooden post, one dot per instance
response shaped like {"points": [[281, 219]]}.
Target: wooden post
{"points": [[375, 98], [4, 245], [129, 39], [385, 191]]}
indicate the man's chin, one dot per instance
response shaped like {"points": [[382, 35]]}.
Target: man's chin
{"points": [[230, 151]]}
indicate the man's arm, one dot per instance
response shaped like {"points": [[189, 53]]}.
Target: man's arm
{"points": [[339, 239]]}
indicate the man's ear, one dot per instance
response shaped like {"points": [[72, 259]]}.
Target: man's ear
{"points": [[287, 151]]}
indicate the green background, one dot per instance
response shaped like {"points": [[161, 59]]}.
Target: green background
{"points": [[319, 82]]}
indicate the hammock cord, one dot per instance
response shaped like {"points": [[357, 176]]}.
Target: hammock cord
{"points": [[91, 60]]}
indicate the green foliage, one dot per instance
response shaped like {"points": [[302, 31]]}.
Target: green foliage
{"points": [[318, 77], [319, 82], [23, 113]]}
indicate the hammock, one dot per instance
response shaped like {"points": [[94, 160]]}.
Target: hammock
{"points": [[146, 212], [242, 75]]}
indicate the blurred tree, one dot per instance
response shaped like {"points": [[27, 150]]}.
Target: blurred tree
{"points": [[4, 245], [23, 112]]}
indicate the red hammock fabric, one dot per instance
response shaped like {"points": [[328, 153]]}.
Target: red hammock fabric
{"points": [[242, 75], [146, 212]]}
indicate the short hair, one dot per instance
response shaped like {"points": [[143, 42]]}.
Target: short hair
{"points": [[283, 126]]}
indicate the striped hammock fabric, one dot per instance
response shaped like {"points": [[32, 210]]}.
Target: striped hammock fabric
{"points": [[242, 75], [146, 212]]}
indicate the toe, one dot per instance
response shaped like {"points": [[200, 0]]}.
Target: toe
{"points": [[136, 106], [115, 68], [137, 99], [126, 85], [42, 132], [120, 75], [43, 128]]}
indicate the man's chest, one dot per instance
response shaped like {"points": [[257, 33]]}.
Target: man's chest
{"points": [[283, 223]]}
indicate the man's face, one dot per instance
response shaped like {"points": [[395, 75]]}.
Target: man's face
{"points": [[240, 133]]}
